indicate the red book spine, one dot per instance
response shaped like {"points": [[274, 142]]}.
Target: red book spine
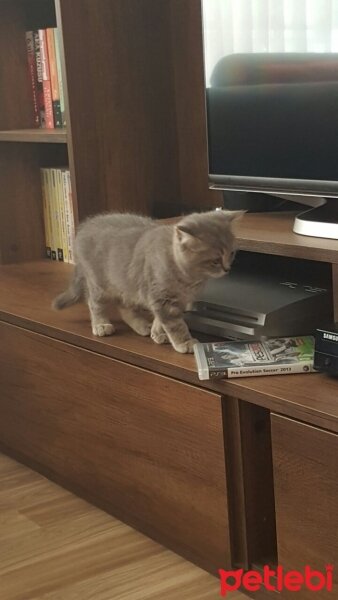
{"points": [[47, 88], [33, 75]]}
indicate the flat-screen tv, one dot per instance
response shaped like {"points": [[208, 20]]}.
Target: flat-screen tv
{"points": [[271, 73]]}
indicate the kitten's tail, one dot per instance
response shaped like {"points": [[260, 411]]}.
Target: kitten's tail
{"points": [[73, 294]]}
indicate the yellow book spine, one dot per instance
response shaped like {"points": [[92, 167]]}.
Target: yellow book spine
{"points": [[61, 204], [56, 213], [71, 236], [67, 215], [50, 197], [46, 216]]}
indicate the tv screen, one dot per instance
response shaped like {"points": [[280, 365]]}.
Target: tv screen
{"points": [[271, 71]]}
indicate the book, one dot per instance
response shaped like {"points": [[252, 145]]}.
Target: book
{"points": [[47, 88], [59, 73], [274, 356], [33, 75], [69, 216], [46, 213], [39, 79], [51, 213], [57, 215], [54, 80], [62, 218], [72, 220]]}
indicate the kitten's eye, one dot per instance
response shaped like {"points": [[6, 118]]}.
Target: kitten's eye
{"points": [[216, 262]]}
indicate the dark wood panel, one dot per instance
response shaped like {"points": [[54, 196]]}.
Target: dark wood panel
{"points": [[235, 483], [121, 104], [305, 461], [26, 293], [39, 14], [52, 155], [16, 104], [256, 453], [146, 447], [21, 219], [250, 484], [186, 24], [70, 147]]}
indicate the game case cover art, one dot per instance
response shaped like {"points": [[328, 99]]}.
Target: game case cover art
{"points": [[242, 359]]}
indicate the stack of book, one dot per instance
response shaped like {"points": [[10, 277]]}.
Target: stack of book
{"points": [[58, 214], [44, 64]]}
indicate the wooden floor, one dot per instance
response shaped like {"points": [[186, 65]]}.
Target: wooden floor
{"points": [[55, 546]]}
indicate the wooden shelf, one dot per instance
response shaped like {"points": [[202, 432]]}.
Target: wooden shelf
{"points": [[45, 136], [271, 233], [26, 293]]}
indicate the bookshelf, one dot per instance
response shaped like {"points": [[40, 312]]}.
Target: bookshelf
{"points": [[135, 141], [47, 136], [122, 131]]}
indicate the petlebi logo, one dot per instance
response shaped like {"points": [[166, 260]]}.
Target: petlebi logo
{"points": [[276, 580]]}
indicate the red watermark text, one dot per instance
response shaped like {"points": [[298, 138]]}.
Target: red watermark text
{"points": [[276, 580]]}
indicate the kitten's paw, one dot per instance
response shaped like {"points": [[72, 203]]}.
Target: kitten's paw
{"points": [[186, 347], [142, 328], [159, 337], [158, 334], [103, 329]]}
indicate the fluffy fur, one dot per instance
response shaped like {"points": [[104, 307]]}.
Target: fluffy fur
{"points": [[149, 270]]}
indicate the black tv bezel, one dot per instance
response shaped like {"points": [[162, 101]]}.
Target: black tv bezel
{"points": [[292, 187]]}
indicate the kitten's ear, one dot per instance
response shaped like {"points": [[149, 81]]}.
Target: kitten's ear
{"points": [[187, 238], [235, 215], [184, 235]]}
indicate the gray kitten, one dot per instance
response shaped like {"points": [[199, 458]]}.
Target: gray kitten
{"points": [[150, 271]]}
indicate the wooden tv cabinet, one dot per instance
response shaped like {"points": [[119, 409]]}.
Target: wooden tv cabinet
{"points": [[236, 473]]}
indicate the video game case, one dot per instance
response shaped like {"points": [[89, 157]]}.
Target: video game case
{"points": [[274, 356]]}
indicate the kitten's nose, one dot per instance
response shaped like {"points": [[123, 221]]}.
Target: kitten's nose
{"points": [[225, 264]]}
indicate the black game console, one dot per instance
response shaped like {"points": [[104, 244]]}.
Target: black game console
{"points": [[264, 296], [326, 350]]}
